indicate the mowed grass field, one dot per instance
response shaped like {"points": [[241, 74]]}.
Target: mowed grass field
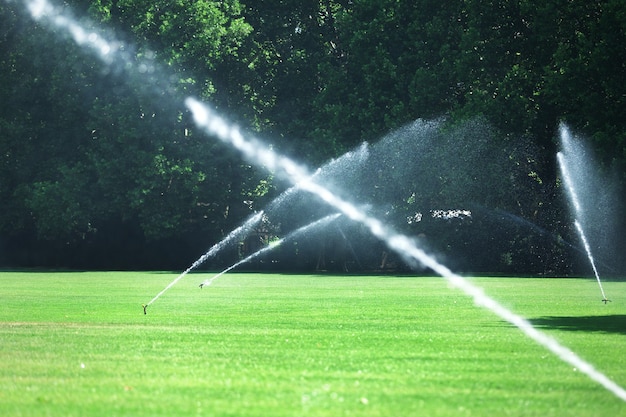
{"points": [[78, 344]]}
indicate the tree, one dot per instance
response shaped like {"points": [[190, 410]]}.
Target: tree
{"points": [[120, 155], [394, 66], [90, 154]]}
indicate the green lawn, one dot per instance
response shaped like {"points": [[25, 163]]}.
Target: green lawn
{"points": [[78, 344]]}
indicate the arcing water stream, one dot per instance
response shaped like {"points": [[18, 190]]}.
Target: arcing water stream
{"points": [[244, 228], [565, 160], [302, 230], [356, 156]]}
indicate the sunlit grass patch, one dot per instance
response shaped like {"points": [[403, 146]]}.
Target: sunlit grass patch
{"points": [[287, 345]]}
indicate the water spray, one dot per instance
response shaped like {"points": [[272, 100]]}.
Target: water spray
{"points": [[250, 223], [359, 154], [562, 158], [591, 260], [318, 223], [255, 151]]}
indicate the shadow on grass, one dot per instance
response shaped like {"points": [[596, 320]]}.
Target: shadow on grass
{"points": [[605, 324]]}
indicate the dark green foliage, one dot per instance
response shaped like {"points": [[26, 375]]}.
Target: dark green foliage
{"points": [[91, 156]]}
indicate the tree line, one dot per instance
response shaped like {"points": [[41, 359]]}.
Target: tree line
{"points": [[102, 168]]}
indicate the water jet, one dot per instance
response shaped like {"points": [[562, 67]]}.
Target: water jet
{"points": [[298, 232], [235, 234], [572, 164]]}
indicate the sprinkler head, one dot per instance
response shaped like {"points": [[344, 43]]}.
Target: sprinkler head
{"points": [[201, 285], [144, 308], [606, 300]]}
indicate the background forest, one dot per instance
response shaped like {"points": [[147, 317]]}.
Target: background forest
{"points": [[98, 171]]}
